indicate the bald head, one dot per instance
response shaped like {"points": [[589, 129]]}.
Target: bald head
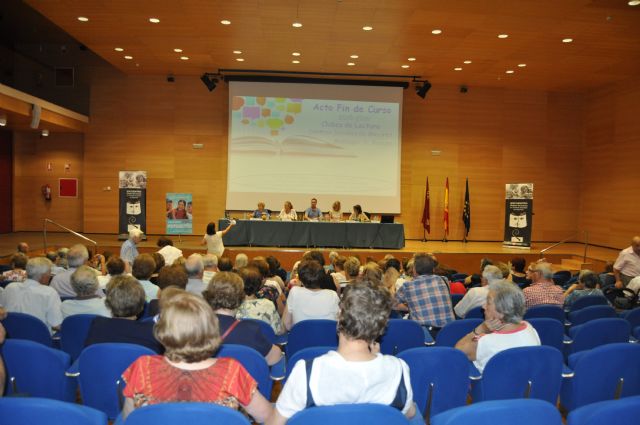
{"points": [[635, 244]]}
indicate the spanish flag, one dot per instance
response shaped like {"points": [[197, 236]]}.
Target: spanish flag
{"points": [[426, 212], [446, 208]]}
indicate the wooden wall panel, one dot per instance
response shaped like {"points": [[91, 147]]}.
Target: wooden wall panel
{"points": [[31, 153]]}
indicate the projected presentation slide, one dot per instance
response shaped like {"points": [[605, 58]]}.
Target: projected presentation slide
{"points": [[345, 147]]}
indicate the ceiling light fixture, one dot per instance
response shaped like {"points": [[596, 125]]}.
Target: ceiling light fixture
{"points": [[367, 28], [184, 58], [522, 65], [411, 59], [405, 66], [436, 32], [354, 56], [128, 57], [209, 80], [240, 59], [119, 49], [503, 35], [45, 133], [177, 50], [567, 40], [509, 71], [237, 52], [154, 20], [351, 64], [3, 119], [83, 19], [457, 69], [225, 22], [467, 62], [295, 61], [297, 24], [422, 90], [295, 54], [633, 2]]}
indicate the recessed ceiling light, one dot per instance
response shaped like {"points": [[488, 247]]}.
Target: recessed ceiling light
{"points": [[295, 54], [295, 61], [411, 59], [367, 28], [83, 18], [225, 22], [436, 32], [119, 49], [467, 62], [522, 65], [128, 57], [503, 35], [154, 20], [351, 64], [297, 24], [177, 50], [240, 59], [354, 56], [633, 2], [509, 71], [184, 58], [567, 40], [237, 52], [457, 69], [404, 66]]}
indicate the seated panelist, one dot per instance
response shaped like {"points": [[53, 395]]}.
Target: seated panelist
{"points": [[358, 215], [261, 212], [288, 213], [313, 212]]}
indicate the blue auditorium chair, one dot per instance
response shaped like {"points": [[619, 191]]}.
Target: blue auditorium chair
{"points": [[596, 333], [593, 312], [545, 310], [612, 412], [475, 313], [458, 277], [269, 333], [587, 301], [632, 316], [33, 410], [452, 332], [26, 326], [401, 335], [349, 414], [73, 333], [306, 354], [186, 413], [439, 378], [502, 412], [253, 362], [455, 299], [312, 333], [550, 331], [561, 277]]}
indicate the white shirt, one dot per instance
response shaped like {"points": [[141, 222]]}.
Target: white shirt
{"points": [[628, 263], [207, 275], [62, 283], [491, 344], [33, 298], [170, 254], [291, 216], [634, 284], [214, 244], [472, 299], [196, 286], [335, 380], [88, 306], [150, 290], [305, 304]]}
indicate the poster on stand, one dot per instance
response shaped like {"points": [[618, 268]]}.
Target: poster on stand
{"points": [[179, 214], [518, 215], [133, 202]]}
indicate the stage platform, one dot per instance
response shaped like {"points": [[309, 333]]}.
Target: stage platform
{"points": [[461, 256]]}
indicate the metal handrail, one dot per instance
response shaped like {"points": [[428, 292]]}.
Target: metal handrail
{"points": [[586, 245], [44, 235]]}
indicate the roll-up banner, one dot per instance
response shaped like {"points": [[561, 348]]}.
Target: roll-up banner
{"points": [[179, 214], [133, 202], [518, 215]]}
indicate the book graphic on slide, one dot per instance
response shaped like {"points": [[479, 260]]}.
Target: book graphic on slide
{"points": [[291, 145]]}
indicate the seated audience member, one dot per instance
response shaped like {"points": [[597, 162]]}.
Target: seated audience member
{"points": [[23, 248], [142, 269], [391, 274], [168, 251], [195, 269], [241, 261], [261, 212], [3, 334], [225, 264], [477, 296], [76, 257], [587, 284], [34, 296], [505, 270], [335, 214], [172, 276], [18, 272], [503, 327], [358, 215], [339, 276], [356, 372], [60, 264], [476, 278], [288, 213], [351, 270], [253, 307], [125, 300], [607, 277], [97, 263], [129, 249], [210, 263], [329, 268], [518, 273], [158, 259], [53, 257], [427, 296], [407, 272], [543, 290], [371, 272], [115, 267], [310, 301], [85, 282], [276, 271], [189, 333], [225, 294], [326, 281]]}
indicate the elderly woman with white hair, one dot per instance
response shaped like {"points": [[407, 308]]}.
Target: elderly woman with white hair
{"points": [[503, 327], [85, 283], [129, 249]]}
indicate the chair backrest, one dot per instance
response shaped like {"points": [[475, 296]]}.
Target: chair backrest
{"points": [[74, 332], [312, 333], [26, 326], [561, 277], [266, 330], [401, 335], [254, 362], [603, 373], [598, 332], [455, 299], [458, 277], [475, 313], [545, 310], [188, 413], [633, 317], [591, 313], [32, 410], [612, 412], [348, 414], [550, 331], [502, 412], [101, 367], [306, 354], [587, 301], [37, 370], [439, 378], [452, 332]]}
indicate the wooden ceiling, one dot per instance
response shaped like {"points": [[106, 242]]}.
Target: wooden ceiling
{"points": [[605, 33]]}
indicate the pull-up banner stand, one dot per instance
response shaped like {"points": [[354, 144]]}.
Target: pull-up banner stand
{"points": [[518, 215], [133, 202]]}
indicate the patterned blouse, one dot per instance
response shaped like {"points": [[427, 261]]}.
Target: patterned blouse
{"points": [[261, 309]]}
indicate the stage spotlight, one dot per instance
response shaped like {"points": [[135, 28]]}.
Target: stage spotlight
{"points": [[422, 90], [209, 81]]}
